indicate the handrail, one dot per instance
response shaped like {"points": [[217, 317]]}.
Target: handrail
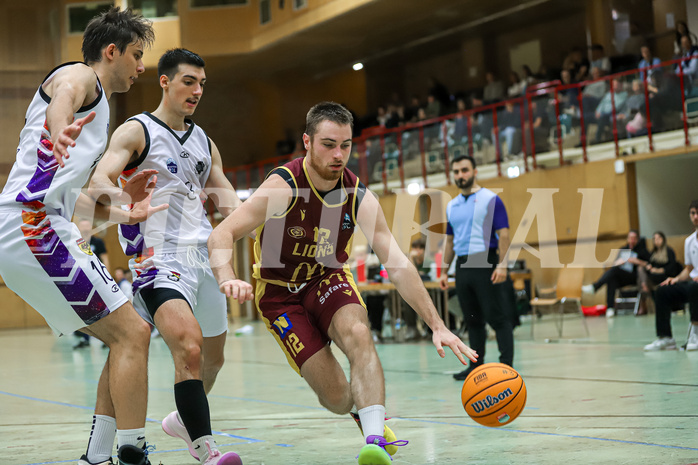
{"points": [[473, 124]]}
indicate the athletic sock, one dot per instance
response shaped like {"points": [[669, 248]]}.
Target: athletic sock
{"points": [[192, 406], [101, 443], [133, 437], [372, 420], [201, 449]]}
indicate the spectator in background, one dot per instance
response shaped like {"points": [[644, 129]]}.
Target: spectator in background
{"points": [[680, 31], [529, 78], [577, 64], [541, 126], [412, 110], [494, 90], [676, 292], [509, 122], [381, 116], [647, 61], [661, 266], [124, 281], [599, 59], [433, 108], [632, 116], [395, 116], [624, 270], [515, 88], [460, 123], [592, 95], [568, 97], [440, 92], [689, 67], [604, 111]]}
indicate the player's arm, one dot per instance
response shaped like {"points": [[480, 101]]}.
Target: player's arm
{"points": [[69, 89], [447, 256], [405, 277], [126, 145], [218, 187], [499, 275], [271, 198]]}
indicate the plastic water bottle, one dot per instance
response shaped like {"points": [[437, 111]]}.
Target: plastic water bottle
{"points": [[387, 331], [384, 274]]}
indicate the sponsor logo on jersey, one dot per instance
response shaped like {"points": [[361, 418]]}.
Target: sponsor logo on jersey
{"points": [[330, 290], [302, 214], [115, 288], [172, 165], [174, 276], [200, 167], [346, 224], [296, 232], [84, 246], [184, 154], [282, 325]]}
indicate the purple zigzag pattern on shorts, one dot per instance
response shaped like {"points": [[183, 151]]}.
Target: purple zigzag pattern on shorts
{"points": [[134, 239], [43, 176], [54, 257], [145, 280]]}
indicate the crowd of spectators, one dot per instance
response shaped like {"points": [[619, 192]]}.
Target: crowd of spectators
{"points": [[595, 108]]}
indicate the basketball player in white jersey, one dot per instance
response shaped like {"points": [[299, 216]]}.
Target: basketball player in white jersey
{"points": [[174, 288], [64, 136]]}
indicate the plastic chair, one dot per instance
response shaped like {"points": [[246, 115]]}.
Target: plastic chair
{"points": [[568, 290]]}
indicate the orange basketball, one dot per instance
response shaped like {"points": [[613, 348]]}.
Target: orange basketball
{"points": [[493, 394]]}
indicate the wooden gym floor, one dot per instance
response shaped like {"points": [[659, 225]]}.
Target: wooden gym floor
{"points": [[590, 401]]}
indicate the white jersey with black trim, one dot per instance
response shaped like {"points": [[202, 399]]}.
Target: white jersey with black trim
{"points": [[183, 161], [36, 180]]}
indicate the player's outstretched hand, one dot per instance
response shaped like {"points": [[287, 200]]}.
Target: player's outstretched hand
{"points": [[138, 187], [237, 289], [66, 138], [444, 337], [142, 210]]}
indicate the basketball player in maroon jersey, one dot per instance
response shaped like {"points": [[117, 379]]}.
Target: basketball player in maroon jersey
{"points": [[304, 215]]}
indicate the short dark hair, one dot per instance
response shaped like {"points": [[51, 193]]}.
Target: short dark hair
{"points": [[327, 111], [117, 27], [419, 244], [694, 204], [464, 157], [634, 231], [170, 60]]}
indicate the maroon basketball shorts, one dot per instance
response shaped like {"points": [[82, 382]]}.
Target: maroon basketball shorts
{"points": [[300, 316]]}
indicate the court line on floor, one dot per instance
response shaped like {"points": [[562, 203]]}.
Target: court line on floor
{"points": [[541, 433]]}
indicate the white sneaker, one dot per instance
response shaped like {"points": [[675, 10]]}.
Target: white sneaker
{"points": [[610, 312], [588, 289], [664, 343], [173, 427], [692, 343]]}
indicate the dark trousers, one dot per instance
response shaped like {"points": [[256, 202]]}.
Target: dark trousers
{"points": [[614, 278], [668, 298], [484, 303], [375, 304]]}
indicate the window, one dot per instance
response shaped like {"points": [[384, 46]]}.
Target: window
{"points": [[81, 14], [298, 4], [204, 3], [264, 11], [154, 8]]}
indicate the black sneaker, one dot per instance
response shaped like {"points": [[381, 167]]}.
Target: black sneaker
{"points": [[463, 374], [132, 455]]}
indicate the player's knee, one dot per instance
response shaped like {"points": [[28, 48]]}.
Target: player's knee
{"points": [[360, 333], [213, 364], [189, 354], [337, 401]]}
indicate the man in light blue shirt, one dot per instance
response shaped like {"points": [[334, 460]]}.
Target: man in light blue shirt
{"points": [[478, 234]]}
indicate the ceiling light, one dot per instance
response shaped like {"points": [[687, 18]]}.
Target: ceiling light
{"points": [[358, 66]]}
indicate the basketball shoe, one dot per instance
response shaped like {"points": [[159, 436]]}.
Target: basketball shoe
{"points": [[663, 343], [375, 453], [133, 455], [215, 457], [387, 433], [172, 426], [83, 461]]}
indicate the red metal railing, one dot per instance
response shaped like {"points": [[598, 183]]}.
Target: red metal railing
{"points": [[477, 132]]}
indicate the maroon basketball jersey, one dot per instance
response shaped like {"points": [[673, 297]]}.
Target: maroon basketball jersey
{"points": [[315, 233]]}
